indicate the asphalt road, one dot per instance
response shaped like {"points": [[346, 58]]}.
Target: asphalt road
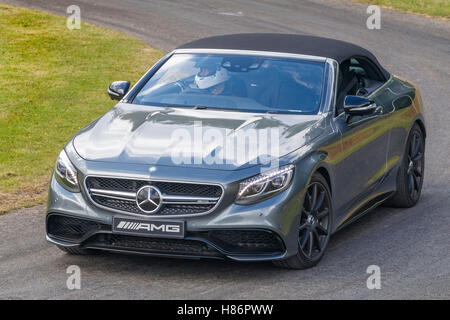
{"points": [[410, 246]]}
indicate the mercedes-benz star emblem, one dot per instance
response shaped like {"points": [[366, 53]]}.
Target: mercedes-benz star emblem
{"points": [[148, 199]]}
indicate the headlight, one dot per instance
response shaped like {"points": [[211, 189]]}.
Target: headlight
{"points": [[264, 185], [65, 173]]}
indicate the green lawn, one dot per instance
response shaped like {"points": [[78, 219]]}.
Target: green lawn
{"points": [[52, 83], [434, 8]]}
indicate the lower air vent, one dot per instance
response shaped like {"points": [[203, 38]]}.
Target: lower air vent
{"points": [[63, 227], [255, 241], [151, 245]]}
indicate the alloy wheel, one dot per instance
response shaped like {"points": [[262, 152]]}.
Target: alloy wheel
{"points": [[315, 221], [415, 166]]}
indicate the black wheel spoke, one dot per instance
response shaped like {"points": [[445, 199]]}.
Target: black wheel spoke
{"points": [[412, 146], [322, 214], [317, 238], [416, 182], [303, 226], [310, 248], [416, 146], [417, 173], [417, 157], [410, 182], [319, 201], [308, 195], [321, 229], [304, 239], [314, 197]]}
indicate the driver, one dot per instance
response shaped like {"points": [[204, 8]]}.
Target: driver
{"points": [[216, 80], [213, 79]]}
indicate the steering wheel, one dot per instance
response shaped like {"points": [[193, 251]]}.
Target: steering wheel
{"points": [[180, 84]]}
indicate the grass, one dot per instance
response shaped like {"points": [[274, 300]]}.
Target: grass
{"points": [[433, 8], [52, 83]]}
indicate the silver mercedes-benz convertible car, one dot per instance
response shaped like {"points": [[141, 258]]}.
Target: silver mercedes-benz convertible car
{"points": [[245, 147]]}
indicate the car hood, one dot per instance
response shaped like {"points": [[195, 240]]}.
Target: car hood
{"points": [[213, 139]]}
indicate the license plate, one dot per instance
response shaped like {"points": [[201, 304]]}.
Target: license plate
{"points": [[148, 228]]}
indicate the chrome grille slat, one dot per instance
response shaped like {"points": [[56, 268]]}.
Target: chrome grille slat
{"points": [[178, 198], [114, 194]]}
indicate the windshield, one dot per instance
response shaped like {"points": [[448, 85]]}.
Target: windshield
{"points": [[237, 82]]}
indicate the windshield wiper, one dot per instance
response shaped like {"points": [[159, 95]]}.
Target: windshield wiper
{"points": [[284, 112], [198, 107]]}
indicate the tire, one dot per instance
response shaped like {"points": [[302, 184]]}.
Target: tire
{"points": [[411, 172], [315, 226], [76, 251]]}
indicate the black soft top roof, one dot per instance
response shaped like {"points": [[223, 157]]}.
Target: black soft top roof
{"points": [[288, 43]]}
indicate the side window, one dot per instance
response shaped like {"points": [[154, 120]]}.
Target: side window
{"points": [[369, 78], [357, 76], [356, 68]]}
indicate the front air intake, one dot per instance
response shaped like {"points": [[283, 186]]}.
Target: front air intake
{"points": [[70, 228]]}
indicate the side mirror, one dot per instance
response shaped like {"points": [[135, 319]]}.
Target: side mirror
{"points": [[118, 89], [358, 106]]}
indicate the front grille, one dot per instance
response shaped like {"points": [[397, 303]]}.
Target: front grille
{"points": [[255, 241], [151, 245], [205, 190], [169, 209], [174, 188], [70, 228], [200, 198]]}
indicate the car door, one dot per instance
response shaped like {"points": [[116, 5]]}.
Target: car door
{"points": [[362, 166]]}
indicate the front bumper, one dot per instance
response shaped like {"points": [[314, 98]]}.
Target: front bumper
{"points": [[240, 244], [263, 231]]}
